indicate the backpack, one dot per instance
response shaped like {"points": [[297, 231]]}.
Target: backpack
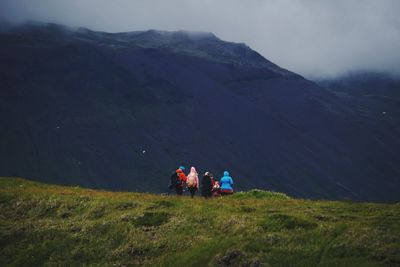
{"points": [[175, 180], [191, 181]]}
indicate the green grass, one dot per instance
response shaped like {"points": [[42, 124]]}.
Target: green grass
{"points": [[48, 225], [279, 222]]}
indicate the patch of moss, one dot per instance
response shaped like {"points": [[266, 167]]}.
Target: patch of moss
{"points": [[125, 205], [278, 222], [97, 212], [164, 204], [152, 219], [247, 209]]}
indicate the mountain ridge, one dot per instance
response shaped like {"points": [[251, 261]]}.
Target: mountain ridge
{"points": [[180, 41]]}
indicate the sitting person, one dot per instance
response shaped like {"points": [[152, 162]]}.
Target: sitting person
{"points": [[226, 184], [206, 185], [216, 190]]}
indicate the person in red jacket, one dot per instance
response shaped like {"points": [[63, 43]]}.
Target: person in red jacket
{"points": [[181, 180]]}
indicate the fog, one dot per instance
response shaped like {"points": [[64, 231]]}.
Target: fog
{"points": [[313, 38]]}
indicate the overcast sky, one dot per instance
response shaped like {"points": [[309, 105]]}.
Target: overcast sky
{"points": [[313, 38]]}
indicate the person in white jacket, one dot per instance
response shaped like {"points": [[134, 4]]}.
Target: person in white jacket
{"points": [[192, 181]]}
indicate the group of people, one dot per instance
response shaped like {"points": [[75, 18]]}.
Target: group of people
{"points": [[209, 186]]}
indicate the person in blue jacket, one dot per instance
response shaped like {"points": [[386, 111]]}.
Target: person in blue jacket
{"points": [[226, 184]]}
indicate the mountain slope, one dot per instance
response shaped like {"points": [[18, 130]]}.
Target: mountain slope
{"points": [[53, 225], [121, 111], [375, 96]]}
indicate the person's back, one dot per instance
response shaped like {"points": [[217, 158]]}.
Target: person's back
{"points": [[226, 183], [192, 181], [178, 181], [206, 185]]}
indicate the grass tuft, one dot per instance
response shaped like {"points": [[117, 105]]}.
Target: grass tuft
{"points": [[278, 222], [261, 194], [152, 219]]}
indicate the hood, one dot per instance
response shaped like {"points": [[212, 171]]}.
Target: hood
{"points": [[226, 173], [193, 170]]}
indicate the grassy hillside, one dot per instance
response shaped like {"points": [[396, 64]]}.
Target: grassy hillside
{"points": [[47, 225]]}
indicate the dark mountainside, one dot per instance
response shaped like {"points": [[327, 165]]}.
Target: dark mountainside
{"points": [[80, 107], [365, 84], [375, 96]]}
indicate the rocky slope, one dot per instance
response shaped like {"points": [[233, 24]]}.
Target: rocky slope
{"points": [[122, 110]]}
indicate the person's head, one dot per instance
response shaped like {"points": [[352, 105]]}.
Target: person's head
{"points": [[226, 173], [193, 170], [206, 174], [182, 168]]}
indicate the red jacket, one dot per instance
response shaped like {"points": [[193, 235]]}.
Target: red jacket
{"points": [[181, 175]]}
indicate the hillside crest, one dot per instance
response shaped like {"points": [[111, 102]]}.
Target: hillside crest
{"points": [[43, 224]]}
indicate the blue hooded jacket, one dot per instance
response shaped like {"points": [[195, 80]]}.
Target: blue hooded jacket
{"points": [[226, 182]]}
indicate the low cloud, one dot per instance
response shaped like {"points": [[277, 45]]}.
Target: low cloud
{"points": [[310, 37]]}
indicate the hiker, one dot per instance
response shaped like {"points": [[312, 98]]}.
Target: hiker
{"points": [[207, 185], [226, 183], [178, 178], [216, 190], [192, 181]]}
